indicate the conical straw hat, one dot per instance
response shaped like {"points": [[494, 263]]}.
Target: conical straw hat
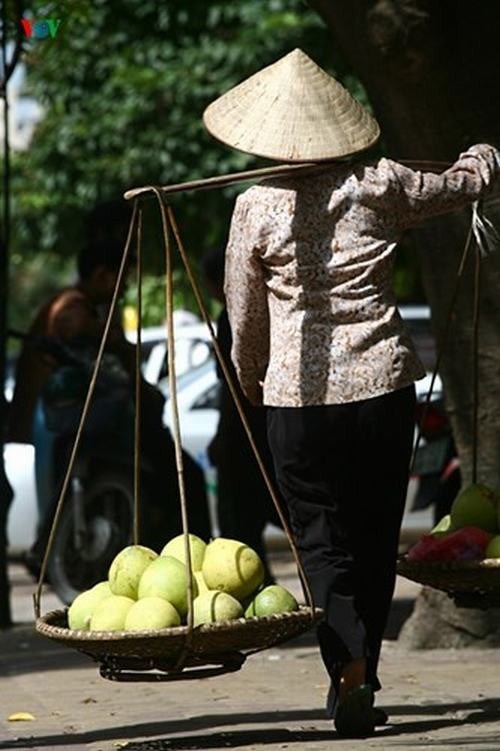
{"points": [[292, 111]]}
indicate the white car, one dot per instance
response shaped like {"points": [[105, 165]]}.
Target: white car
{"points": [[22, 521]]}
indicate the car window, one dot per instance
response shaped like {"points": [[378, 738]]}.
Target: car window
{"points": [[199, 352], [187, 378], [190, 355], [209, 399]]}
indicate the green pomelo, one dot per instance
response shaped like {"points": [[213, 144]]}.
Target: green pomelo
{"points": [[151, 613], [443, 526], [111, 613], [127, 569], [272, 599], [210, 607], [476, 506], [103, 587], [493, 548], [83, 606], [176, 548], [166, 577], [231, 566]]}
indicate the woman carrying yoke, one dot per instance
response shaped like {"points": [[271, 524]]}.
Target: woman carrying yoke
{"points": [[318, 339]]}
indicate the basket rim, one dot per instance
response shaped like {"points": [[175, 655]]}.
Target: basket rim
{"points": [[43, 626], [485, 564]]}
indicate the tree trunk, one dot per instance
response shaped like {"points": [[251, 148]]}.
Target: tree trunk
{"points": [[431, 73]]}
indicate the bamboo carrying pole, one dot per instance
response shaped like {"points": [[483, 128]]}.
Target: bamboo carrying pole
{"points": [[263, 173]]}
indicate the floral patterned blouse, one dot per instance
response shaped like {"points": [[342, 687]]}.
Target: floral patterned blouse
{"points": [[308, 277]]}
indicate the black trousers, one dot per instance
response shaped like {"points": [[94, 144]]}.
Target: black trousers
{"points": [[343, 471]]}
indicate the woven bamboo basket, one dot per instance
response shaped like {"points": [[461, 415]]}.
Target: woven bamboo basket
{"points": [[463, 580], [224, 645]]}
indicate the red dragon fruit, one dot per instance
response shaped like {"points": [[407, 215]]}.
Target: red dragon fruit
{"points": [[467, 544]]}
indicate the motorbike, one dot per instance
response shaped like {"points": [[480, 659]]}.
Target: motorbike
{"points": [[436, 465], [97, 515]]}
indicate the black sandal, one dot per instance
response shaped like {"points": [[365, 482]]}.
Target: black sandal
{"points": [[354, 717], [379, 716]]}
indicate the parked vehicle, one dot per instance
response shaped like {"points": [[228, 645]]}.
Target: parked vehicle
{"points": [[436, 463], [96, 521]]}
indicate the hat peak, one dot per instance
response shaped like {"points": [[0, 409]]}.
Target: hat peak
{"points": [[297, 56]]}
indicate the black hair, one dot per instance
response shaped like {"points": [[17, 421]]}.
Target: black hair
{"points": [[108, 220], [108, 254]]}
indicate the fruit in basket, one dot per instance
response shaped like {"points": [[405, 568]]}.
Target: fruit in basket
{"points": [[83, 606], [231, 566], [467, 544], [443, 527], [493, 548], [425, 549], [476, 506], [151, 613], [175, 548], [166, 577], [213, 606], [102, 587], [127, 568], [111, 613], [271, 599]]}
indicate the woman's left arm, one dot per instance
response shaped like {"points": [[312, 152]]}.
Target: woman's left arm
{"points": [[246, 299], [416, 196]]}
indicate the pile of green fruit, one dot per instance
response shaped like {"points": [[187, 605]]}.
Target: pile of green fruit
{"points": [[470, 532], [150, 591]]}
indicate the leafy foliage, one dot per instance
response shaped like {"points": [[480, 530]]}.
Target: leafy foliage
{"points": [[123, 86]]}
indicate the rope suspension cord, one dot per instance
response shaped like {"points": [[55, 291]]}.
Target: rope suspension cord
{"points": [[485, 236], [86, 405], [138, 410], [475, 364], [170, 218], [169, 298], [442, 345]]}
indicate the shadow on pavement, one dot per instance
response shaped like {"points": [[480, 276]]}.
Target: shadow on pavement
{"points": [[486, 711], [22, 650], [148, 729], [489, 709]]}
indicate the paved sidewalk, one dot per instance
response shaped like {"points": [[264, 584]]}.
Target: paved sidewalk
{"points": [[442, 699]]}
